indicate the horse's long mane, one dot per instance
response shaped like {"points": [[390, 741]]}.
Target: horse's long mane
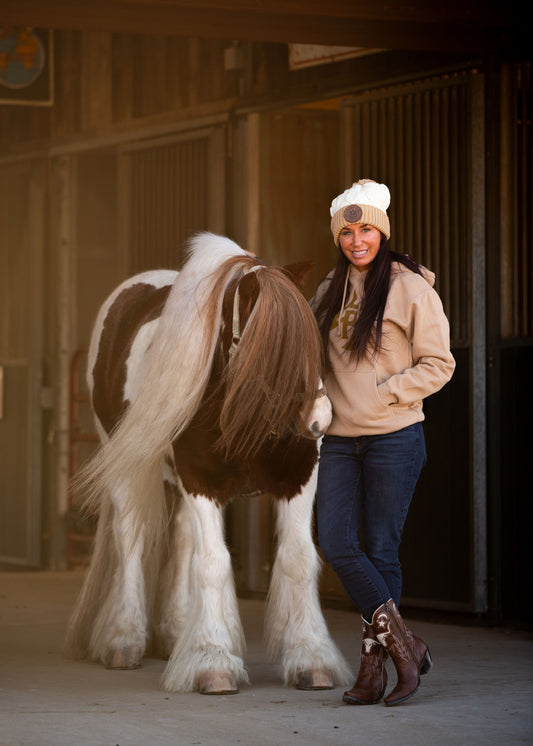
{"points": [[273, 374]]}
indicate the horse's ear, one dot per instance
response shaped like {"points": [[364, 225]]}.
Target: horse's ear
{"points": [[298, 272]]}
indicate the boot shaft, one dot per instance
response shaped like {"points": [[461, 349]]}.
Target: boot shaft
{"points": [[392, 632], [371, 681], [408, 652]]}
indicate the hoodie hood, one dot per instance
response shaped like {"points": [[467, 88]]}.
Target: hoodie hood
{"points": [[427, 274]]}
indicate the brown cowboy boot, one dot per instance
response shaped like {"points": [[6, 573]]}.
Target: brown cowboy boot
{"points": [[409, 653], [371, 680]]}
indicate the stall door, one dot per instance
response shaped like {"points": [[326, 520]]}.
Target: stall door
{"points": [[425, 141], [21, 311]]}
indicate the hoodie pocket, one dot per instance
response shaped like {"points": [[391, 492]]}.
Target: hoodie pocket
{"points": [[356, 399]]}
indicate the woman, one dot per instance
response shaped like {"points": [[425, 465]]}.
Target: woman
{"points": [[387, 344]]}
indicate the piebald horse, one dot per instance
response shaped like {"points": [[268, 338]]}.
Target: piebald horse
{"points": [[205, 385]]}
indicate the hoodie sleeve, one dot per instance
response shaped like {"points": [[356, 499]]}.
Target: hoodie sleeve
{"points": [[427, 329]]}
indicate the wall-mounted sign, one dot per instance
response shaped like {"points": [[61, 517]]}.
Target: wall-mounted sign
{"points": [[306, 55], [26, 66]]}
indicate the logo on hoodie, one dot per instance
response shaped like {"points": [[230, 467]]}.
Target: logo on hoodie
{"points": [[344, 321]]}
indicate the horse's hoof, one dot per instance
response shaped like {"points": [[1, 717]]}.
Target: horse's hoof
{"points": [[124, 659], [212, 682], [314, 680]]}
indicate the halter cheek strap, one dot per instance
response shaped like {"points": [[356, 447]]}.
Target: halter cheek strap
{"points": [[236, 324]]}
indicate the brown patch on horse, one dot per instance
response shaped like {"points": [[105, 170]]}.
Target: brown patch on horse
{"points": [[133, 307], [284, 466], [280, 468]]}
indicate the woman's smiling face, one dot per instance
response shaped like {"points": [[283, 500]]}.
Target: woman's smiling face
{"points": [[360, 243]]}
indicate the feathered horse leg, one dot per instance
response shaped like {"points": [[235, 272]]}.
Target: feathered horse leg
{"points": [[120, 630], [110, 619], [208, 655], [295, 628], [175, 590]]}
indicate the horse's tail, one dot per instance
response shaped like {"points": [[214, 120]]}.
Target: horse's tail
{"points": [[273, 375], [177, 371]]}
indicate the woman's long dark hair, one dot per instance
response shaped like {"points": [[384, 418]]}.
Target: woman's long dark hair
{"points": [[367, 331]]}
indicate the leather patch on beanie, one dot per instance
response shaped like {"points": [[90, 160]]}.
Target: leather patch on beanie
{"points": [[352, 214]]}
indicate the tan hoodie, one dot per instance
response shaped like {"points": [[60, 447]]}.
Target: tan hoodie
{"points": [[383, 394]]}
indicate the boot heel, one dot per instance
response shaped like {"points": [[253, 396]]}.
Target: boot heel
{"points": [[427, 663]]}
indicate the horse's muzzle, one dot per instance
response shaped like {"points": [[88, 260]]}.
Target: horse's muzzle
{"points": [[315, 431]]}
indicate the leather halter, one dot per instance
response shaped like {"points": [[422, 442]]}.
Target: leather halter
{"points": [[236, 323]]}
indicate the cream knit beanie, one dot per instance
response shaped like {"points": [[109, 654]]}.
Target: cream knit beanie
{"points": [[365, 202]]}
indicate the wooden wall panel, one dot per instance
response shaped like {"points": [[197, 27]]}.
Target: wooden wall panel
{"points": [[150, 84], [21, 251], [122, 77], [178, 73], [105, 81], [96, 81], [66, 112], [15, 256], [299, 177], [21, 124], [14, 539]]}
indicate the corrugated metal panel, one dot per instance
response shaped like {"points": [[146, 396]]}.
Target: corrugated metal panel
{"points": [[165, 193], [416, 140]]}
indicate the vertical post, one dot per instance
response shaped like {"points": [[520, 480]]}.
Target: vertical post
{"points": [[63, 177], [36, 238], [479, 347]]}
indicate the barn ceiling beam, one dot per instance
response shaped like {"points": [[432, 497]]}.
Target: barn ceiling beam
{"points": [[451, 26]]}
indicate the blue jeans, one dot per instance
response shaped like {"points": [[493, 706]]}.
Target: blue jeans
{"points": [[367, 482]]}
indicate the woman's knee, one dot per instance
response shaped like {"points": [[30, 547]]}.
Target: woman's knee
{"points": [[337, 550]]}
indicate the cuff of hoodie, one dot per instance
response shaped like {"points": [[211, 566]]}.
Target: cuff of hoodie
{"points": [[386, 396]]}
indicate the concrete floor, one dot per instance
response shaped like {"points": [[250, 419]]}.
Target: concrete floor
{"points": [[479, 691]]}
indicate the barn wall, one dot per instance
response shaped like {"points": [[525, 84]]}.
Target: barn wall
{"points": [[113, 83], [269, 155], [105, 82]]}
